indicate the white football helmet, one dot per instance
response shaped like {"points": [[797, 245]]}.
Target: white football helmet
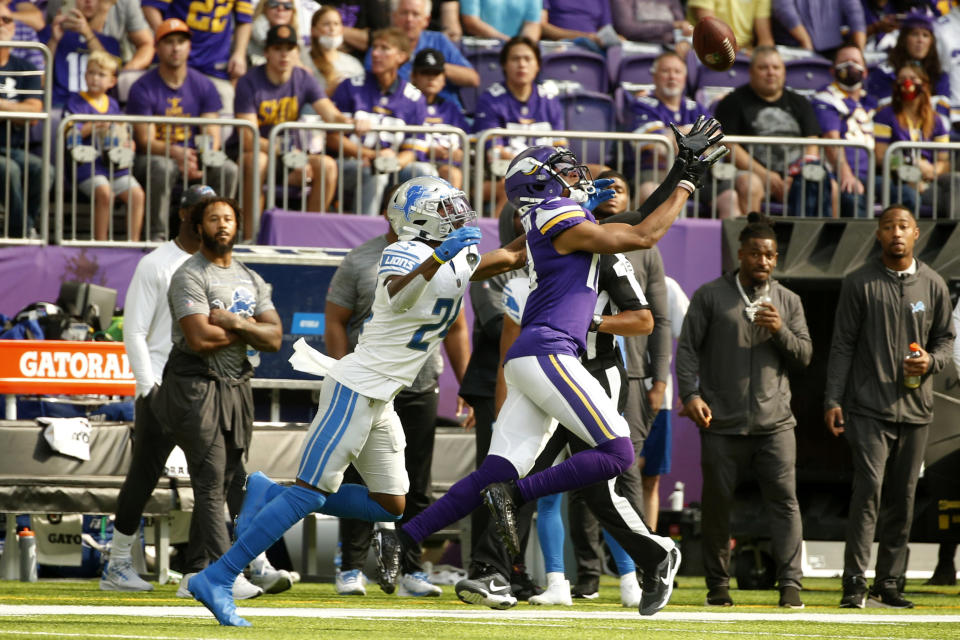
{"points": [[428, 208]]}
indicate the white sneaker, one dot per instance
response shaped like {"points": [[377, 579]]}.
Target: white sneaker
{"points": [[350, 583], [264, 575], [630, 591], [119, 575], [557, 592], [418, 585], [182, 590], [243, 589]]}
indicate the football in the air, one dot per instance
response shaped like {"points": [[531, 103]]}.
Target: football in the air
{"points": [[715, 44]]}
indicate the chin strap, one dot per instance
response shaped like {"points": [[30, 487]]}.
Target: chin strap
{"points": [[658, 197]]}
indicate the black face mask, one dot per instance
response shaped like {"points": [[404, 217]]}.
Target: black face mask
{"points": [[849, 75]]}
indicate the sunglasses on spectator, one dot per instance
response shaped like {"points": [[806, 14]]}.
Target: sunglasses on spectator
{"points": [[286, 6], [6, 19]]}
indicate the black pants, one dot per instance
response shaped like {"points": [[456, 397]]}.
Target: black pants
{"points": [[418, 416], [615, 503]]}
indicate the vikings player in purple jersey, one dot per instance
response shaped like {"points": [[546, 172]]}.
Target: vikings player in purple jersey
{"points": [[546, 383]]}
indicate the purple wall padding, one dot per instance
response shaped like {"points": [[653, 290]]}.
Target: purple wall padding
{"points": [[691, 255]]}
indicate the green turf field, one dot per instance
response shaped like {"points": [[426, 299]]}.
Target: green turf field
{"points": [[314, 611]]}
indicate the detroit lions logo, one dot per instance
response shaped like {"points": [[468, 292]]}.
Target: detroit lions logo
{"points": [[917, 307], [244, 302], [414, 193]]}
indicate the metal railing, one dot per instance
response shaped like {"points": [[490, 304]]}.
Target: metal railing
{"points": [[296, 152], [11, 118], [814, 191], [171, 122], [626, 152], [908, 175]]}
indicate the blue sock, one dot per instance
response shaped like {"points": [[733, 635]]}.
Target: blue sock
{"points": [[550, 530], [461, 499], [354, 501], [624, 562], [290, 506]]}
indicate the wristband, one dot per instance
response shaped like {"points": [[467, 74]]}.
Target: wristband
{"points": [[686, 184], [437, 258]]}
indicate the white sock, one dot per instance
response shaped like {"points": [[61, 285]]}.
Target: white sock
{"points": [[121, 544], [260, 564], [629, 578], [555, 577]]}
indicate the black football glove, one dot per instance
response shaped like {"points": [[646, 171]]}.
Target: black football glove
{"points": [[704, 134], [696, 170]]}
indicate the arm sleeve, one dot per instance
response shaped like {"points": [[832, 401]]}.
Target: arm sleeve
{"points": [[793, 338], [688, 347], [940, 343], [846, 331], [143, 296], [785, 12], [659, 344]]}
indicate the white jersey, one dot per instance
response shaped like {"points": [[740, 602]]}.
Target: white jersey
{"points": [[947, 30], [147, 324], [515, 294], [393, 346]]}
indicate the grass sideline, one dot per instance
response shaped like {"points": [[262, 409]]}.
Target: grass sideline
{"points": [[385, 620]]}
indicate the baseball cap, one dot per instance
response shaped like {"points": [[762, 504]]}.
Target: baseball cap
{"points": [[429, 61], [195, 194], [915, 20], [281, 34], [172, 25]]}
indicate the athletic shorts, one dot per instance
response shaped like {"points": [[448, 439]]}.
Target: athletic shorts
{"points": [[657, 449]]}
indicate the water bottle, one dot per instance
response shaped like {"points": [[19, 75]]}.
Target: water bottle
{"points": [[676, 497], [912, 382], [28, 556], [253, 356]]}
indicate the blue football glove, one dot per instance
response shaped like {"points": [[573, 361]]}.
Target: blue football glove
{"points": [[455, 242], [600, 193]]}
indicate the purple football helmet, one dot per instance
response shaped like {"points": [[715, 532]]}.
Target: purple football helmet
{"points": [[543, 172]]}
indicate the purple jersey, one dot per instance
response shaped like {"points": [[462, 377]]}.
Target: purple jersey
{"points": [[542, 112], [212, 24], [651, 115], [881, 80], [70, 62], [578, 15], [402, 103], [887, 129], [563, 288], [151, 96], [81, 104], [852, 119], [274, 103], [445, 112]]}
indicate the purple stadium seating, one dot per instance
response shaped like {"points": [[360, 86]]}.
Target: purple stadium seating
{"points": [[589, 111], [577, 65], [809, 73]]}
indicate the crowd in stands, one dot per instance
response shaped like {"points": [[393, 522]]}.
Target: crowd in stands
{"points": [[894, 77]]}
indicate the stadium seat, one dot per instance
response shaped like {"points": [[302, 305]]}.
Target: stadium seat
{"points": [[636, 68], [589, 111], [700, 76], [810, 73], [578, 65], [487, 63]]}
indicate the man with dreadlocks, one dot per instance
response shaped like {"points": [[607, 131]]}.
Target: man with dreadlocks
{"points": [[742, 333]]}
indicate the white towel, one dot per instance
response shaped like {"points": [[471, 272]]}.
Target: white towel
{"points": [[308, 360]]}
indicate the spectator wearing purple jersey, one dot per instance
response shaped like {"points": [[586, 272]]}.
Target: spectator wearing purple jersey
{"points": [[381, 98], [168, 155], [813, 24], [412, 17], [101, 182], [520, 103], [654, 113], [221, 32], [659, 21], [501, 19], [845, 112], [20, 177], [575, 20], [29, 20], [269, 95], [71, 36], [441, 148], [910, 118]]}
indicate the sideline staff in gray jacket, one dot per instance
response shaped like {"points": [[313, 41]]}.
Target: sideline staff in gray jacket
{"points": [[884, 306], [741, 334]]}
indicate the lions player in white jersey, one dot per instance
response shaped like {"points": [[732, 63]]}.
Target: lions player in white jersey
{"points": [[422, 279]]}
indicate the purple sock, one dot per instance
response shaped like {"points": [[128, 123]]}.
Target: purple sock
{"points": [[607, 460], [462, 498]]}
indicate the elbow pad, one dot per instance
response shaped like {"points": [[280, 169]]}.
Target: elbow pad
{"points": [[403, 300], [656, 198]]}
